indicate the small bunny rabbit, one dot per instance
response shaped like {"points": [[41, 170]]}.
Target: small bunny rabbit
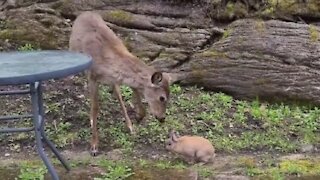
{"points": [[194, 148]]}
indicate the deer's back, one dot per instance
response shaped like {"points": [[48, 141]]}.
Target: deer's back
{"points": [[91, 35]]}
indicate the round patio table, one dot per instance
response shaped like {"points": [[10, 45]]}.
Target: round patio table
{"points": [[18, 68]]}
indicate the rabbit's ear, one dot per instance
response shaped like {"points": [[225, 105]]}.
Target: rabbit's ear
{"points": [[171, 133], [174, 137], [177, 134]]}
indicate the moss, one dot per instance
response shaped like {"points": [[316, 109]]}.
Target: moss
{"points": [[240, 11], [65, 6], [247, 162], [299, 167], [283, 5], [314, 6], [213, 54], [165, 55], [196, 71], [273, 3], [3, 24], [314, 34], [261, 81], [235, 10], [21, 36], [241, 39], [260, 26], [268, 11], [230, 8], [293, 7], [226, 33], [118, 16], [127, 42]]}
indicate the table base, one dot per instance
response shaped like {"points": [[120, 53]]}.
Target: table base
{"points": [[38, 126]]}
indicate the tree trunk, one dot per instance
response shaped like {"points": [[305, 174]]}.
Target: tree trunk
{"points": [[271, 60], [250, 58]]}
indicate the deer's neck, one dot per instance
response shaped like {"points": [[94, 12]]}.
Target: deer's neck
{"points": [[135, 73], [118, 65], [137, 76]]}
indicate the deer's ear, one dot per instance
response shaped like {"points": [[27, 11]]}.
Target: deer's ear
{"points": [[156, 78]]}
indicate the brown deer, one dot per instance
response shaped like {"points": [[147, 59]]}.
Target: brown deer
{"points": [[114, 65]]}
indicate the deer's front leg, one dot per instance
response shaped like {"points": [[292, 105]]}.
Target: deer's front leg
{"points": [[93, 90], [138, 106], [117, 91]]}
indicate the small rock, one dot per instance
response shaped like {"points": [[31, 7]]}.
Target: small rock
{"points": [[202, 31], [183, 30], [6, 155], [115, 154], [289, 60], [45, 10], [307, 148], [293, 157], [193, 175], [81, 96], [81, 156], [231, 177]]}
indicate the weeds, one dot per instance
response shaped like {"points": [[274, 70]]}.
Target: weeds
{"points": [[32, 171], [26, 47], [114, 171]]}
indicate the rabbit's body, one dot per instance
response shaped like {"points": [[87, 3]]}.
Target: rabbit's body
{"points": [[195, 148]]}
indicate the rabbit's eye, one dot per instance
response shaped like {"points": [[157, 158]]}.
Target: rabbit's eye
{"points": [[169, 144]]}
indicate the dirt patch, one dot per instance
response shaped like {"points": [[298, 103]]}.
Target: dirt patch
{"points": [[84, 166]]}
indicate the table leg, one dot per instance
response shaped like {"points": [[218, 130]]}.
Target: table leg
{"points": [[45, 139], [38, 121]]}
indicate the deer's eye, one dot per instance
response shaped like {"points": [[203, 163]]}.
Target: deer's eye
{"points": [[162, 99]]}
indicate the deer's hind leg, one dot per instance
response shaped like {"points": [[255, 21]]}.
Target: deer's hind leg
{"points": [[94, 109], [117, 92]]}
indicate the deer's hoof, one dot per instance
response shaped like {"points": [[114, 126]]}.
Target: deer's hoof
{"points": [[94, 151], [139, 118], [131, 130]]}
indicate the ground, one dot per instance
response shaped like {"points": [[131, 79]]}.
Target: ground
{"points": [[252, 138]]}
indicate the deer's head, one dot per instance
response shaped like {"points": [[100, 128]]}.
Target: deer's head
{"points": [[156, 93]]}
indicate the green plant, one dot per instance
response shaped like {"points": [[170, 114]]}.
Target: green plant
{"points": [[143, 163], [61, 134], [175, 89], [126, 92], [114, 171], [26, 47], [30, 172], [120, 137], [226, 33], [205, 172], [163, 164]]}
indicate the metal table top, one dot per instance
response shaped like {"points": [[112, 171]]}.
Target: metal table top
{"points": [[33, 66]]}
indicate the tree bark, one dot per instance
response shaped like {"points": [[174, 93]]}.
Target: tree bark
{"points": [[249, 58], [272, 60]]}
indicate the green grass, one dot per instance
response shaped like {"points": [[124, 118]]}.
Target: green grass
{"points": [[114, 170], [231, 125], [26, 47], [281, 170], [234, 125], [29, 170]]}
